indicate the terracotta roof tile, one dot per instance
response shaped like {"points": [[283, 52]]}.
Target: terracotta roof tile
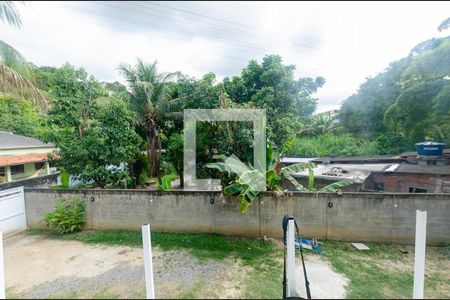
{"points": [[6, 161]]}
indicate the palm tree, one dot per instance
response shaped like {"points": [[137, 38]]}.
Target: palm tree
{"points": [[15, 71], [16, 76], [9, 13], [321, 124], [152, 102]]}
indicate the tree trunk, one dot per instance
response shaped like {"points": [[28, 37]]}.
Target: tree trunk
{"points": [[153, 148]]}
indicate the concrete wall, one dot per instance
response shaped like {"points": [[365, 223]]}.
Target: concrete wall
{"points": [[39, 181], [367, 217]]}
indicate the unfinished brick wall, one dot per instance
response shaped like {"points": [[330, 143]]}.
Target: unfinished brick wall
{"points": [[401, 182]]}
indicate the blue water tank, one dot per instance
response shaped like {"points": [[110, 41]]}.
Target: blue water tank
{"points": [[430, 149]]}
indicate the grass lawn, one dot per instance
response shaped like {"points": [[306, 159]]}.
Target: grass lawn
{"points": [[385, 272], [382, 272]]}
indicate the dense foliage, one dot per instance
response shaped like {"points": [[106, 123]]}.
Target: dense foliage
{"points": [[326, 145], [407, 103], [20, 116], [94, 142], [111, 134]]}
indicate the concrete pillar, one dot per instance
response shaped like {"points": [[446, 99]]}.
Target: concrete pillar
{"points": [[47, 168], [8, 174]]}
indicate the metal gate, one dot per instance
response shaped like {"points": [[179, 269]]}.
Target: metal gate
{"points": [[12, 211]]}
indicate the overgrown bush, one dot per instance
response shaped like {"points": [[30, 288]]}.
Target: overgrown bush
{"points": [[328, 144], [67, 217]]}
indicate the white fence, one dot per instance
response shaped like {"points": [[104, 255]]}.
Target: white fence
{"points": [[12, 211]]}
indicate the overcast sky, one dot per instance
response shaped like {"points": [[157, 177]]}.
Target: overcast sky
{"points": [[344, 42]]}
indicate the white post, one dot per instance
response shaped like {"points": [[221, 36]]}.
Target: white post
{"points": [[47, 168], [8, 175], [2, 271], [290, 263], [419, 255], [148, 263]]}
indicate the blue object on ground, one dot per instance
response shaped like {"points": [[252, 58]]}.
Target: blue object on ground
{"points": [[315, 246]]}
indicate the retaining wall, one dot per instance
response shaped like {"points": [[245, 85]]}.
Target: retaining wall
{"points": [[44, 180], [367, 217]]}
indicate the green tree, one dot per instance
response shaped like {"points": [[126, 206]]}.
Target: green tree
{"points": [[16, 77], [20, 116], [105, 150], [75, 94], [272, 85], [151, 99], [95, 143], [402, 106], [411, 115]]}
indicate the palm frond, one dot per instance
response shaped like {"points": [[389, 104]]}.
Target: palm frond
{"points": [[11, 82], [9, 14], [168, 106], [13, 59]]}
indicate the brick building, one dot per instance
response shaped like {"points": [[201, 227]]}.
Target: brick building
{"points": [[409, 172]]}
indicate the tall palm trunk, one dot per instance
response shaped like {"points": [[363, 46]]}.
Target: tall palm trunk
{"points": [[153, 148]]}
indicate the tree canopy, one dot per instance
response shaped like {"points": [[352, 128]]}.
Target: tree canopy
{"points": [[407, 102]]}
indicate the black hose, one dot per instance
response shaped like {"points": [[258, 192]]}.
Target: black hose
{"points": [[284, 226]]}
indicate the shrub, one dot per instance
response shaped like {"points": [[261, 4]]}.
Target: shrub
{"points": [[327, 144], [67, 217], [166, 183]]}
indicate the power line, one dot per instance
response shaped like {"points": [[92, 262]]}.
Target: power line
{"points": [[232, 42], [131, 21], [163, 17], [218, 19], [240, 64], [221, 27]]}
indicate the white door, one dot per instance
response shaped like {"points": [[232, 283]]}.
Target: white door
{"points": [[12, 211]]}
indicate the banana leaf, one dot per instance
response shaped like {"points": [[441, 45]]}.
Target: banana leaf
{"points": [[336, 186], [295, 183], [296, 168], [310, 179]]}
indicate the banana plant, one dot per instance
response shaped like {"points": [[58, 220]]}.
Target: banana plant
{"points": [[246, 185], [166, 184], [246, 188]]}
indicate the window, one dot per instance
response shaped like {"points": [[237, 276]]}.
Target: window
{"points": [[431, 163], [2, 171], [417, 190], [17, 169], [379, 186], [39, 165]]}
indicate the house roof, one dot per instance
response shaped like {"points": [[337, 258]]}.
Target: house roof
{"points": [[438, 170], [414, 153], [374, 159], [7, 161], [337, 172], [9, 140], [295, 160]]}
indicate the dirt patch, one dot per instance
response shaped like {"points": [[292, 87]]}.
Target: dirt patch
{"points": [[34, 260], [324, 282], [39, 267]]}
